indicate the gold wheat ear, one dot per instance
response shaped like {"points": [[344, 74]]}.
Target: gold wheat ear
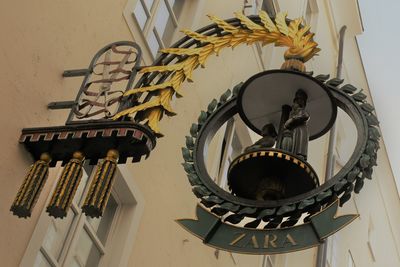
{"points": [[297, 38]]}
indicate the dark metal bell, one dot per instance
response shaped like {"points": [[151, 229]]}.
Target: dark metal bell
{"points": [[270, 174]]}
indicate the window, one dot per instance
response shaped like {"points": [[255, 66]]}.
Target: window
{"points": [[80, 241], [370, 242], [265, 52], [310, 14], [269, 261], [268, 6], [158, 21], [350, 262], [331, 250], [228, 143]]}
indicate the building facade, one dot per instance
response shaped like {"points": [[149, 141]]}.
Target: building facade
{"points": [[42, 39]]}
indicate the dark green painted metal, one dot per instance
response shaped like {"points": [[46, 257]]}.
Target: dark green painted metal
{"points": [[221, 235]]}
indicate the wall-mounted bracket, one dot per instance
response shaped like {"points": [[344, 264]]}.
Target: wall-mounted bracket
{"points": [[61, 105], [75, 73]]}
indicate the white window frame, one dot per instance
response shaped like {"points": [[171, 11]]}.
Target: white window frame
{"points": [[314, 10], [190, 16], [140, 36], [219, 166], [152, 15], [269, 261], [265, 53], [350, 262], [122, 232]]}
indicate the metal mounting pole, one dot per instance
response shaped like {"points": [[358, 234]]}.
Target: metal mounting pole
{"points": [[322, 249]]}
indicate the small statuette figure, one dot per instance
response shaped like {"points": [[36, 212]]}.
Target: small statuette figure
{"points": [[297, 124], [268, 138], [287, 141]]}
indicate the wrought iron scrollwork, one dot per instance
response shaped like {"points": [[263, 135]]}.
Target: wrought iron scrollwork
{"points": [[111, 72]]}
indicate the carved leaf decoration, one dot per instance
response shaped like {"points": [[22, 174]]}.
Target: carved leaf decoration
{"points": [[154, 117], [187, 154], [305, 203], [367, 107], [200, 191], [253, 224], [182, 51], [147, 88], [349, 89], [203, 117], [248, 211], [193, 129], [334, 82], [340, 185], [189, 142], [211, 107], [297, 38], [324, 195], [266, 212], [223, 24], [189, 168], [268, 23], [236, 89], [285, 209], [248, 22], [230, 206], [281, 23], [194, 179], [301, 33], [234, 218], [213, 199], [359, 185], [322, 77], [200, 37], [294, 28], [144, 106]]}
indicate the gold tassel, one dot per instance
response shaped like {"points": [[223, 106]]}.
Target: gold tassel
{"points": [[100, 188], [31, 187], [66, 187]]}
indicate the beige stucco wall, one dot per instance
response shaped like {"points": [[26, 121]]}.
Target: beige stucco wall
{"points": [[42, 38]]}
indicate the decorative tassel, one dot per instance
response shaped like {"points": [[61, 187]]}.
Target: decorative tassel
{"points": [[31, 187], [66, 187], [100, 188]]}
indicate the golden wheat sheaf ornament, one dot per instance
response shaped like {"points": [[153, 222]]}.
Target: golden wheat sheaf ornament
{"points": [[293, 35]]}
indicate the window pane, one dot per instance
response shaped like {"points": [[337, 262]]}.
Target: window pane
{"points": [[308, 13], [148, 4], [87, 169], [268, 6], [102, 225], [176, 7], [75, 263], [164, 24], [86, 250], [140, 15], [162, 18], [153, 43], [57, 233], [41, 261]]}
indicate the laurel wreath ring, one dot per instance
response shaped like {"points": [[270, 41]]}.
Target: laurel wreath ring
{"points": [[287, 212]]}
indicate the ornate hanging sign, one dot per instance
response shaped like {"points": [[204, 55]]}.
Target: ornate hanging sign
{"points": [[275, 202]]}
